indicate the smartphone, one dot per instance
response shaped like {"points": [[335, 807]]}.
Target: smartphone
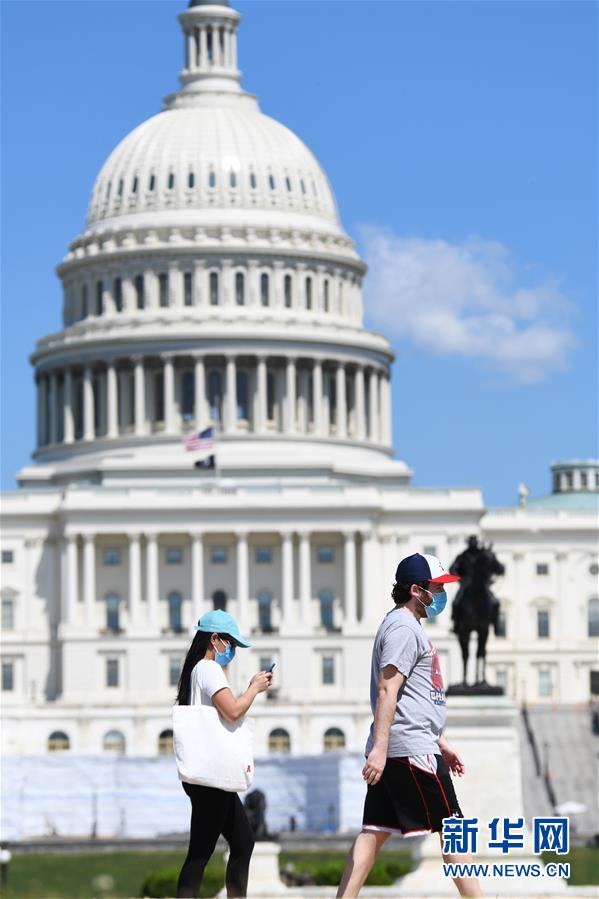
{"points": [[269, 670]]}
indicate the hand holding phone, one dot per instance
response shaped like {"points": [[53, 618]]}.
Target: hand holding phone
{"points": [[270, 668]]}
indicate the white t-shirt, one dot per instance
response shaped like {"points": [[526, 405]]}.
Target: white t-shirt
{"points": [[206, 679]]}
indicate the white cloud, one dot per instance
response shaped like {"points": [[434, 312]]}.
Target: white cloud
{"points": [[464, 299]]}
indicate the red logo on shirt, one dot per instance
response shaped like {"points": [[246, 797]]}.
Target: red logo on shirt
{"points": [[436, 676]]}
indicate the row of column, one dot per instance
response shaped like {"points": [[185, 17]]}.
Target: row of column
{"points": [[371, 417], [210, 46], [288, 593]]}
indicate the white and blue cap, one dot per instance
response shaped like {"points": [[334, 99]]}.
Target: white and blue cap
{"points": [[220, 622], [422, 567]]}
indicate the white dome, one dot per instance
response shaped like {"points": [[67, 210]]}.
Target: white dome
{"points": [[212, 157]]}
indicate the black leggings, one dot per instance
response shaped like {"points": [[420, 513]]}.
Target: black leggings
{"points": [[214, 812]]}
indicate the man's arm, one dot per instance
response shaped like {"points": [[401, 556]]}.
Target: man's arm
{"points": [[390, 683], [453, 761]]}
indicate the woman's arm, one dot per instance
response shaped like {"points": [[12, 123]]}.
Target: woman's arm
{"points": [[231, 708]]}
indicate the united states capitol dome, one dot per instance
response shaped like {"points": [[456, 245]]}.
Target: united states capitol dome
{"points": [[211, 155]]}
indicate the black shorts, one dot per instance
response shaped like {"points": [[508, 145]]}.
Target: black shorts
{"points": [[412, 797]]}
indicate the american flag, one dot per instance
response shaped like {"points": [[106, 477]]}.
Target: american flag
{"points": [[202, 441]]}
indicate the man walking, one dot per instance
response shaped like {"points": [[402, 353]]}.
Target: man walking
{"points": [[408, 761]]}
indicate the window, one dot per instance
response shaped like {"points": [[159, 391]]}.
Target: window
{"points": [[584, 481], [569, 479], [187, 394], [271, 182], [165, 743], [163, 288], [175, 602], [326, 554], [171, 181], [308, 292], [113, 601], [215, 395], [134, 185], [542, 623], [139, 292], [594, 569], [191, 180], [265, 610], [264, 290], [593, 617], [326, 609], [239, 289], [112, 556], [594, 682], [279, 740], [328, 670], [118, 294], [270, 396], [211, 179], [334, 738], [501, 679], [159, 396], [174, 555], [232, 179], [263, 554], [214, 288], [287, 288], [108, 186], [219, 600], [429, 550], [187, 289], [58, 741], [288, 184], [112, 672], [114, 741], [8, 614], [7, 557], [545, 688], [99, 292], [218, 555], [174, 670], [303, 185], [120, 187], [253, 181], [8, 677], [152, 183], [242, 396], [501, 624], [542, 569], [326, 296], [84, 307]]}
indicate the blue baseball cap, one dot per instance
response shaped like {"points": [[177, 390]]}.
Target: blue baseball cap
{"points": [[220, 622], [422, 567]]}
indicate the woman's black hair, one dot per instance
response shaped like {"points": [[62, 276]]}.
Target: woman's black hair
{"points": [[196, 652], [400, 593]]}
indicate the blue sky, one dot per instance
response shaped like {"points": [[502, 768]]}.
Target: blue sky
{"points": [[460, 140]]}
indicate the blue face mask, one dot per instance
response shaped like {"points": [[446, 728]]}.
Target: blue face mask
{"points": [[438, 604], [223, 658]]}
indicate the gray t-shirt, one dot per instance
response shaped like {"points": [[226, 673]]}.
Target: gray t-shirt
{"points": [[420, 712]]}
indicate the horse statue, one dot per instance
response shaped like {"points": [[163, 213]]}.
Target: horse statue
{"points": [[475, 607]]}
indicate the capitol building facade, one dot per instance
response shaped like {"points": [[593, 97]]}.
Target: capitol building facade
{"points": [[214, 287]]}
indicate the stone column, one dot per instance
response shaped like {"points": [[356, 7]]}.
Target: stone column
{"points": [[203, 49], [88, 405], [370, 596], [305, 586], [134, 578], [317, 396], [287, 580], [108, 303], [140, 396], [190, 50], [262, 394], [67, 399], [151, 289], [360, 404], [349, 559], [242, 580], [128, 294], [71, 578], [197, 575], [169, 394], [89, 578], [290, 393], [373, 432], [231, 396], [199, 372], [112, 399], [200, 297], [341, 401], [152, 582]]}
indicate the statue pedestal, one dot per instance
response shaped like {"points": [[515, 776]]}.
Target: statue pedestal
{"points": [[264, 877], [483, 730]]}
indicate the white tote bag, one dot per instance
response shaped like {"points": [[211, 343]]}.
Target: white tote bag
{"points": [[213, 752]]}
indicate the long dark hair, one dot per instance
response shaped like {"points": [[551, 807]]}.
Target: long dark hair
{"points": [[196, 652]]}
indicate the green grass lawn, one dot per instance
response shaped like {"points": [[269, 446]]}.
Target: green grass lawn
{"points": [[72, 876]]}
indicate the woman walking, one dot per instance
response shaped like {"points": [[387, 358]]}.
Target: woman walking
{"points": [[215, 811]]}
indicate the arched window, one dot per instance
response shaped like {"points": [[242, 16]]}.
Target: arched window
{"points": [[242, 396], [214, 288], [239, 289], [215, 395], [58, 741], [253, 181], [165, 743], [593, 617], [219, 600], [288, 291], [326, 296], [308, 292], [117, 293], [191, 180], [187, 394], [139, 292], [232, 179], [113, 601], [171, 181], [264, 289], [326, 609], [265, 611], [99, 292], [279, 740], [114, 741], [175, 602], [334, 738]]}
